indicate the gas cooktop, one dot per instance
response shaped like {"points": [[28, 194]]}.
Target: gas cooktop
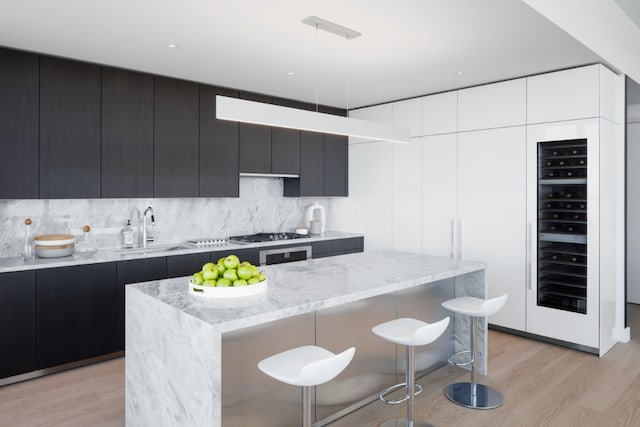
{"points": [[266, 237]]}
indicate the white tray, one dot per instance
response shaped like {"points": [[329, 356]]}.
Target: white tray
{"points": [[230, 292]]}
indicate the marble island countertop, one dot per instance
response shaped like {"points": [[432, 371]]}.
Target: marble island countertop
{"points": [[311, 285], [16, 263]]}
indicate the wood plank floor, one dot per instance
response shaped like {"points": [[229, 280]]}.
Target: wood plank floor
{"points": [[542, 384]]}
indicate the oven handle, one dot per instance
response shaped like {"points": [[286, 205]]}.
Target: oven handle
{"points": [[262, 254]]}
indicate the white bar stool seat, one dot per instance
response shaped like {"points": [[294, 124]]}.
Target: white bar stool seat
{"points": [[471, 394], [306, 366], [410, 333]]}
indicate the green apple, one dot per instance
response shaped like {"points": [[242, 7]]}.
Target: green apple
{"points": [[208, 267], [197, 278], [210, 282], [245, 272], [262, 277], [220, 266], [253, 281], [231, 261], [223, 283], [210, 274], [254, 271], [230, 274], [246, 263], [240, 282]]}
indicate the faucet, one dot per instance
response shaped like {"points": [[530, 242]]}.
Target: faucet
{"points": [[149, 211]]}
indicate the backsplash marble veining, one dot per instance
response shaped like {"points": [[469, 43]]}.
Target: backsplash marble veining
{"points": [[260, 207]]}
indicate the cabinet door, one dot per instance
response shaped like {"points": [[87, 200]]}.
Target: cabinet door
{"points": [[218, 147], [285, 151], [336, 158], [186, 265], [17, 323], [440, 194], [134, 271], [440, 113], [379, 188], [69, 129], [492, 212], [176, 144], [408, 114], [127, 134], [19, 74], [76, 313], [407, 196], [325, 248], [311, 164], [255, 142], [493, 105]]}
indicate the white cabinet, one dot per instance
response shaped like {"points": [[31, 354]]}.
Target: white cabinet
{"points": [[408, 114], [439, 194], [378, 113], [493, 105], [563, 95], [492, 213], [378, 197], [440, 113], [407, 200]]}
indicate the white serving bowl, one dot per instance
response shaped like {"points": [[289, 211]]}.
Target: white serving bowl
{"points": [[230, 292], [54, 251], [53, 240]]}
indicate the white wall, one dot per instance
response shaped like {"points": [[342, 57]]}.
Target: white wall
{"points": [[633, 213]]}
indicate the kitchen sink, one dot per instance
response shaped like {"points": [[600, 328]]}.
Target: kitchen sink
{"points": [[153, 248]]}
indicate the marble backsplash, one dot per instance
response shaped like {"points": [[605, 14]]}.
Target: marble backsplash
{"points": [[260, 207]]}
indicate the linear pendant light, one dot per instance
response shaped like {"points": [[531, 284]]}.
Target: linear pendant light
{"points": [[241, 110], [259, 113]]}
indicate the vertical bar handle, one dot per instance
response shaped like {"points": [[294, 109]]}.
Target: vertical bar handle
{"points": [[459, 238], [528, 269], [453, 238]]}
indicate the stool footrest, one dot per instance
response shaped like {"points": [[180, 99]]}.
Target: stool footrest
{"points": [[397, 387], [454, 359]]}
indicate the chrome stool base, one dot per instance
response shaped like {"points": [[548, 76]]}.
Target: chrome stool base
{"points": [[402, 422], [485, 396], [398, 387]]}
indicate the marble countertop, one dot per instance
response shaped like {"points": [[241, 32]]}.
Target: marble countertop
{"points": [[8, 264], [311, 285]]}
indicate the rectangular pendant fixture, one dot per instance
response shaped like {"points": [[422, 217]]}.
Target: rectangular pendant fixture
{"points": [[242, 110]]}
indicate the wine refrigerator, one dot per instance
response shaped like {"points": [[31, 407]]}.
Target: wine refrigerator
{"points": [[562, 225]]}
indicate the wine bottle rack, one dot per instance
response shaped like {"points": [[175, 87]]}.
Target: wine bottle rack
{"points": [[562, 225]]}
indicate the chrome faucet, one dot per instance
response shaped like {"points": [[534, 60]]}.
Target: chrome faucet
{"points": [[145, 237]]}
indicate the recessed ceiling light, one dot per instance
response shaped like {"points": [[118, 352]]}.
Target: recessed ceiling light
{"points": [[460, 73], [290, 73], [172, 45]]}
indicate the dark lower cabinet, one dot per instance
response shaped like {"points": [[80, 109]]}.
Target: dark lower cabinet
{"points": [[325, 248], [17, 323], [69, 129], [75, 313], [127, 133], [176, 138], [19, 73], [255, 142], [134, 271], [218, 147], [186, 265]]}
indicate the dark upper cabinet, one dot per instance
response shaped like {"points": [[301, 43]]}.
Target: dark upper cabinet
{"points": [[218, 147], [255, 142], [134, 271], [176, 140], [75, 313], [17, 323], [285, 151], [127, 133], [19, 73], [335, 165], [311, 181], [69, 129]]}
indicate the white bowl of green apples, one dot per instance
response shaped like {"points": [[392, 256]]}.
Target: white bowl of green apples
{"points": [[228, 278]]}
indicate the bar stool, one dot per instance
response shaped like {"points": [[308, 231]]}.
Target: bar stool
{"points": [[410, 333], [306, 366], [471, 394]]}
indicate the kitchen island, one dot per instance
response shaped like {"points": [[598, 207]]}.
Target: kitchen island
{"points": [[192, 361]]}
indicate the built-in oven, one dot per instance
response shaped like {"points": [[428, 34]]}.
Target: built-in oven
{"points": [[281, 255]]}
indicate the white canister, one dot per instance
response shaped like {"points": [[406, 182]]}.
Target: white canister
{"points": [[315, 227]]}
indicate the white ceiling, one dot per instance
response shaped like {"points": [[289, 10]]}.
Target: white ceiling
{"points": [[408, 47]]}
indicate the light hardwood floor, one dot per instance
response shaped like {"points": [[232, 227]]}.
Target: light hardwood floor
{"points": [[542, 384]]}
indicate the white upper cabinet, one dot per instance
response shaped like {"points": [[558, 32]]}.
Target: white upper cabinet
{"points": [[493, 105], [564, 95], [440, 113], [408, 114], [378, 113]]}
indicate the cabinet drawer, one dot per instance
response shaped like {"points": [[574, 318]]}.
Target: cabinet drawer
{"points": [[337, 247]]}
